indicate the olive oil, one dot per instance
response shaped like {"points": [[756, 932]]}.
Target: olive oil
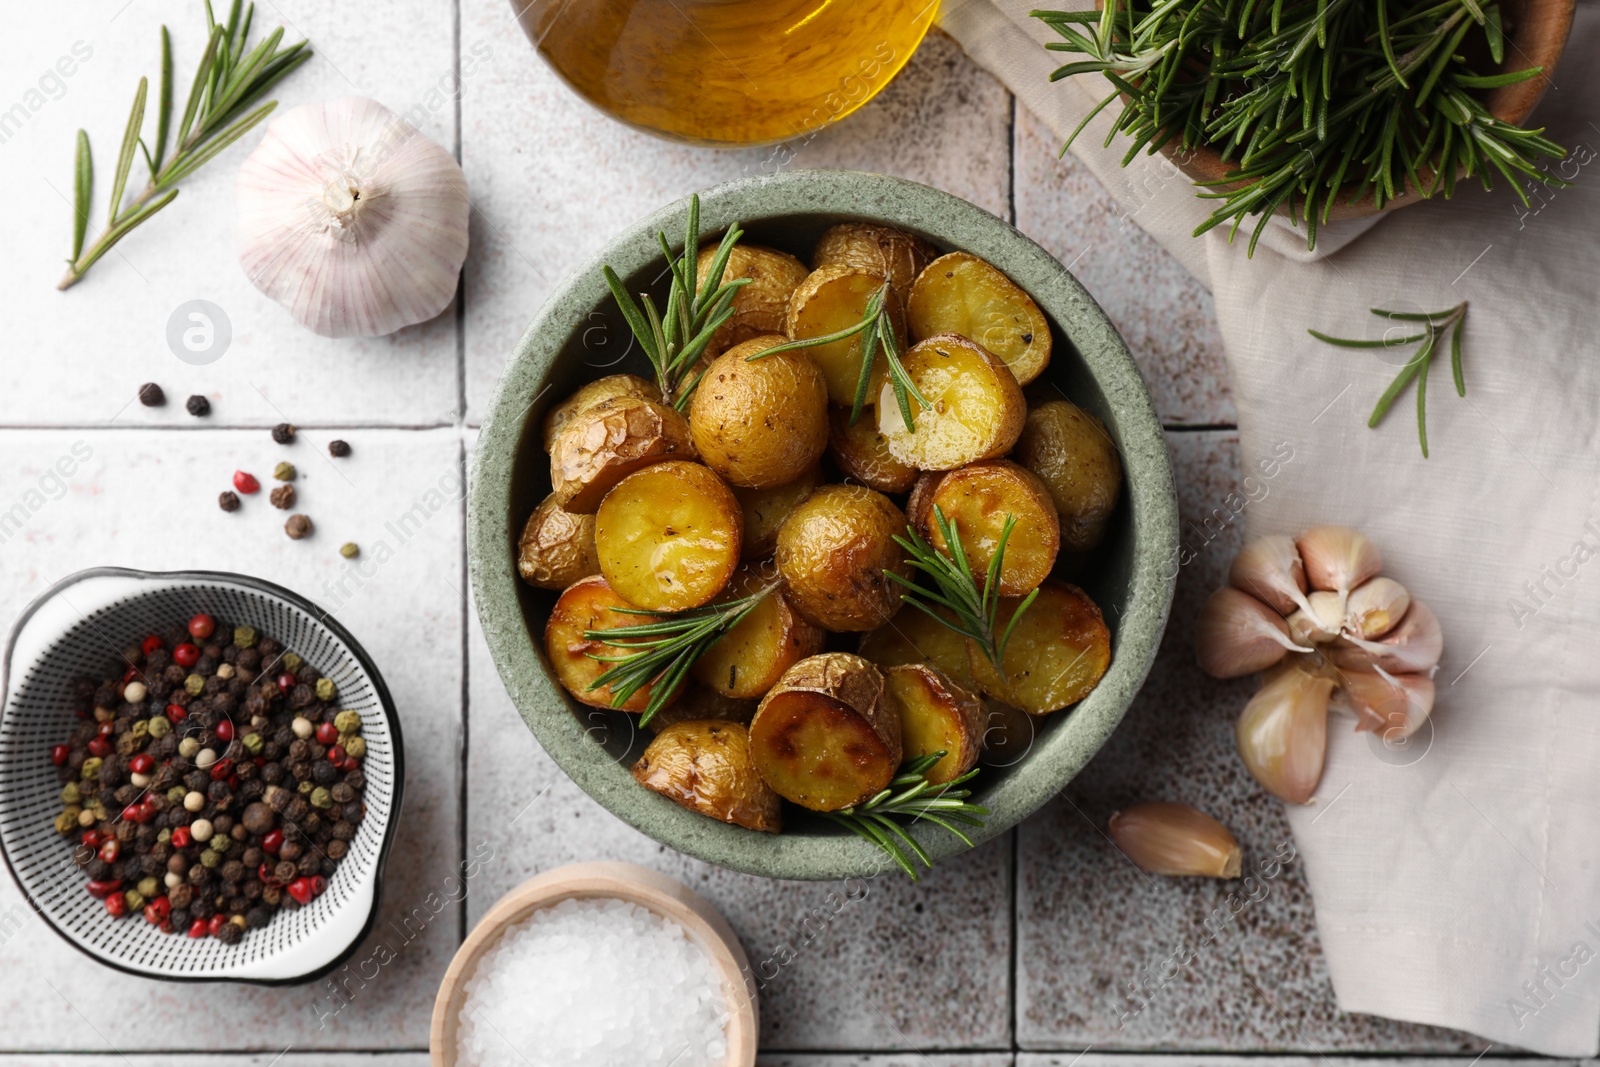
{"points": [[727, 72]]}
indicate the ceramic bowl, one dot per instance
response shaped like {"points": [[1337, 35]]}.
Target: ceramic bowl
{"points": [[76, 629], [667, 897], [579, 336]]}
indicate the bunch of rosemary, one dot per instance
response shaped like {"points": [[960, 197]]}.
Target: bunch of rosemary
{"points": [[1310, 101]]}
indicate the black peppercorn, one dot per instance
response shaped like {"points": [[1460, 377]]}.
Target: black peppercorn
{"points": [[151, 395], [282, 498], [179, 916], [298, 527], [344, 831], [324, 773], [310, 864], [283, 433], [229, 933], [199, 874], [180, 896], [338, 448], [228, 500], [198, 406], [258, 916], [355, 811], [337, 847]]}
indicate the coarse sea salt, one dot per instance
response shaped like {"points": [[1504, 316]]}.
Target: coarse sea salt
{"points": [[594, 982]]}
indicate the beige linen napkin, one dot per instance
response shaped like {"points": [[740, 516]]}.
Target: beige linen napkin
{"points": [[1456, 879]]}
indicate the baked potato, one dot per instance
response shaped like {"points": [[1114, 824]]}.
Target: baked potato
{"points": [[977, 406], [697, 703], [600, 446], [589, 604], [833, 299], [1057, 654], [936, 715], [834, 550], [749, 659], [893, 255], [587, 396], [765, 510], [976, 499], [826, 736], [760, 307], [705, 766], [556, 547], [669, 536], [1071, 452], [960, 293], [862, 452], [913, 636], [760, 424]]}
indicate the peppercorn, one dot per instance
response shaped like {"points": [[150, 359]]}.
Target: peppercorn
{"points": [[209, 860], [194, 685], [284, 472], [298, 527], [229, 934], [158, 727], [232, 871], [320, 797], [349, 550], [347, 722], [149, 888], [198, 406], [325, 689], [245, 482], [283, 433], [152, 395], [67, 821], [285, 871], [324, 773], [338, 448], [245, 637], [135, 899], [91, 768]]}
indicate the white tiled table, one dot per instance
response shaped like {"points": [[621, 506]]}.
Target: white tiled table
{"points": [[1017, 953]]}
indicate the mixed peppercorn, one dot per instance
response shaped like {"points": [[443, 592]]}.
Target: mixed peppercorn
{"points": [[212, 784]]}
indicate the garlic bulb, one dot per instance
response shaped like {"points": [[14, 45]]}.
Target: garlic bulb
{"points": [[352, 219], [1236, 635], [1283, 733], [1270, 569], [1338, 558], [1375, 607], [1413, 647], [1175, 839], [1391, 705]]}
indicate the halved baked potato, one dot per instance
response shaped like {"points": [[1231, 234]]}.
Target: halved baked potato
{"points": [[834, 550], [668, 536], [764, 423], [833, 299], [760, 307], [1058, 652], [765, 510], [748, 660], [913, 636], [893, 255], [826, 737], [705, 766], [960, 293], [936, 715], [556, 547], [595, 392], [862, 452], [1071, 452], [977, 406], [977, 499], [600, 446], [588, 604]]}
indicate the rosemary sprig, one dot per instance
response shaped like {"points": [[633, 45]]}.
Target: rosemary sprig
{"points": [[1310, 101], [911, 794], [1433, 324], [228, 82], [660, 653], [975, 610], [877, 330], [674, 341]]}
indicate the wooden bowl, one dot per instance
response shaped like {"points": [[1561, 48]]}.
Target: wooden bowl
{"points": [[1539, 31], [650, 889]]}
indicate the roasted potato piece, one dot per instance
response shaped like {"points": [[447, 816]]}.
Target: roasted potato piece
{"points": [[977, 498], [913, 636], [862, 452], [599, 447], [834, 550], [826, 737], [760, 424], [749, 659], [669, 536], [960, 293], [833, 299], [596, 392], [760, 307], [705, 766], [698, 703], [1070, 451], [556, 547], [893, 255], [765, 510], [1057, 654], [977, 410], [936, 715], [588, 604]]}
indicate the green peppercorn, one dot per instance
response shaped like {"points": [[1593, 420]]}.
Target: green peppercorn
{"points": [[98, 813], [292, 662], [220, 842], [349, 550], [210, 860], [70, 794], [164, 836], [253, 744], [135, 899], [141, 729], [91, 768], [306, 786], [355, 747], [325, 689], [284, 472], [148, 888], [321, 798], [194, 684], [244, 636], [67, 821], [158, 728], [176, 794], [347, 722]]}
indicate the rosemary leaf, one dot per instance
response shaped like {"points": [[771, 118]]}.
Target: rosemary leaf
{"points": [[911, 795], [130, 141], [82, 190]]}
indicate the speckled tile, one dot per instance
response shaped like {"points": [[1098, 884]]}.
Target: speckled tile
{"points": [[553, 180], [147, 499], [1164, 314], [913, 1059], [882, 964], [78, 356], [1095, 936], [1112, 1059], [224, 1059]]}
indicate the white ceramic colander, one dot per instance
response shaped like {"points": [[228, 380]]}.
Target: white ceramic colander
{"points": [[76, 629]]}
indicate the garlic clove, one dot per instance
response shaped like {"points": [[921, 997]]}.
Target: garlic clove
{"points": [[1270, 569], [1283, 733], [352, 219], [1320, 621], [1413, 647], [1337, 558], [1236, 634], [1175, 839], [1375, 607], [1393, 706]]}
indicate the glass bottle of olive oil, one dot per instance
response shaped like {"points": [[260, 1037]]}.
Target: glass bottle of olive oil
{"points": [[727, 72]]}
